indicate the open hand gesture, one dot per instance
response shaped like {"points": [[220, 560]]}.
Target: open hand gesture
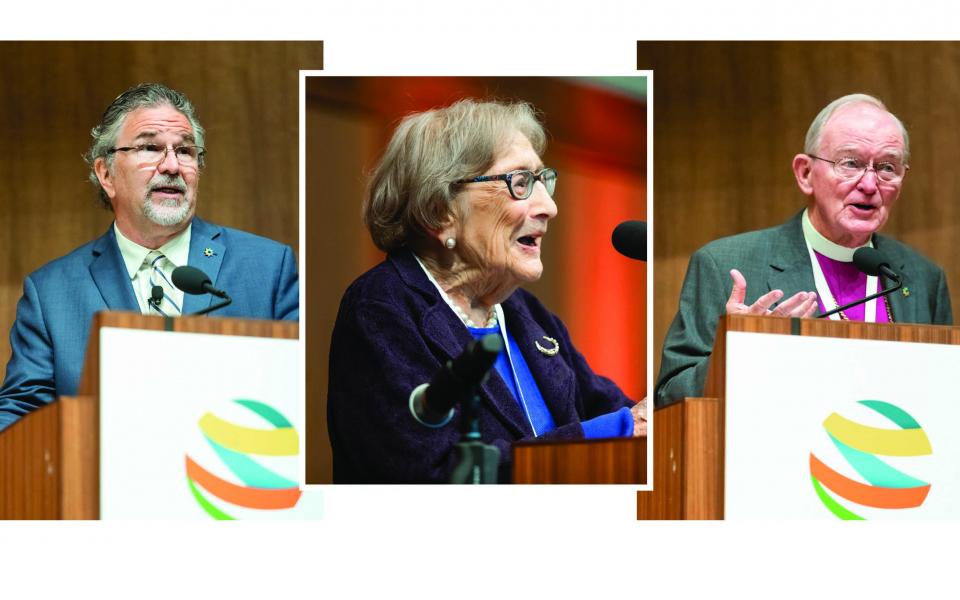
{"points": [[801, 304]]}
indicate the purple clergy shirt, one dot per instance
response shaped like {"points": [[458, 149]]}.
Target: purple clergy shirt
{"points": [[847, 284]]}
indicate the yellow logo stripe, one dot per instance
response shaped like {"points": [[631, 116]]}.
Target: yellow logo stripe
{"points": [[886, 442], [282, 441]]}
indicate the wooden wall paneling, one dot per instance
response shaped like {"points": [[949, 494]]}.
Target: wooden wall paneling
{"points": [[730, 116], [246, 96]]}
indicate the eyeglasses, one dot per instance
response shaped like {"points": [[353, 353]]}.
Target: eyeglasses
{"points": [[854, 168], [153, 154], [520, 183]]}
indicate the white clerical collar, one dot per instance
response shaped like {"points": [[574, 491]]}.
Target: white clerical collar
{"points": [[177, 250], [824, 246]]}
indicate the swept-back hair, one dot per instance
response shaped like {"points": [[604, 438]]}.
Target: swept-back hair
{"points": [[145, 95], [815, 133], [412, 187]]}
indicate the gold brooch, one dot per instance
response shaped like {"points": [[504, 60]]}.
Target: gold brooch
{"points": [[548, 351], [208, 252]]}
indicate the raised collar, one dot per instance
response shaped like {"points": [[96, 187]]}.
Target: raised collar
{"points": [[824, 246]]}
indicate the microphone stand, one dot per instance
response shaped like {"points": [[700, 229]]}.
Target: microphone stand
{"points": [[478, 461], [867, 299], [226, 302]]}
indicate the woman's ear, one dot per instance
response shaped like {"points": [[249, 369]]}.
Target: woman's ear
{"points": [[445, 235]]}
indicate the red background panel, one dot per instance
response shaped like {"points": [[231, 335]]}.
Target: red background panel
{"points": [[596, 141]]}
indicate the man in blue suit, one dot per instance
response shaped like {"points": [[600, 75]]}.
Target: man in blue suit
{"points": [[146, 159]]}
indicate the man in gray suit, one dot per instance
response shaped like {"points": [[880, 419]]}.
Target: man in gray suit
{"points": [[855, 158]]}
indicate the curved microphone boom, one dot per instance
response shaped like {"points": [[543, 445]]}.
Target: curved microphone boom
{"points": [[630, 239], [872, 262]]}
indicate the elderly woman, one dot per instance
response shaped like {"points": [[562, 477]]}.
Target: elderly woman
{"points": [[460, 203]]}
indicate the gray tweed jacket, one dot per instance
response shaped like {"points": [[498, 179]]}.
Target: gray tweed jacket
{"points": [[770, 259]]}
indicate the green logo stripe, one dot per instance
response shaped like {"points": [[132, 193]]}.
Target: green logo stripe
{"points": [[260, 487], [874, 470], [832, 505], [250, 471], [269, 413], [894, 413], [211, 510]]}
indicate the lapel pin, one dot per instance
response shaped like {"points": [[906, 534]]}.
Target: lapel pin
{"points": [[548, 351], [906, 291], [208, 252]]}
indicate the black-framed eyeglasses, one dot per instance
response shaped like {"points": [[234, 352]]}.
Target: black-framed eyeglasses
{"points": [[520, 183], [849, 167], [153, 154]]}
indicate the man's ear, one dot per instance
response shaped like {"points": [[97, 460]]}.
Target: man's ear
{"points": [[802, 169], [106, 179]]}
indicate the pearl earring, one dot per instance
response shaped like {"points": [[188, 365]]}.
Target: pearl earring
{"points": [[450, 243]]}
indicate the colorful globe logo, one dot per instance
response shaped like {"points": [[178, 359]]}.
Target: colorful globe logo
{"points": [[883, 485], [245, 482]]}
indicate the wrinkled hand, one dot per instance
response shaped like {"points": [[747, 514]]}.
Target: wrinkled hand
{"points": [[801, 304], [639, 412]]}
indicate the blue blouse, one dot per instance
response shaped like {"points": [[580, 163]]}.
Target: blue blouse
{"points": [[615, 424]]}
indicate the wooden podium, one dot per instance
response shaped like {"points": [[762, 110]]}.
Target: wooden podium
{"points": [[49, 460], [688, 446], [582, 461]]}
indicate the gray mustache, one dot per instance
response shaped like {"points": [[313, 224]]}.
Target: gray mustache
{"points": [[168, 181]]}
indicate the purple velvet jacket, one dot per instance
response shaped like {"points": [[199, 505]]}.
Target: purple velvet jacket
{"points": [[392, 333]]}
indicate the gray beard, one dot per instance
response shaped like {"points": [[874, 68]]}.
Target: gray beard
{"points": [[168, 212]]}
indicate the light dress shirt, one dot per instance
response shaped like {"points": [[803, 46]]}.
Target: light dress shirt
{"points": [[135, 258]]}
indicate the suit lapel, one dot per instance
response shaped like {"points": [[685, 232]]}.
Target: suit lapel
{"points": [[790, 269], [110, 274], [903, 309], [792, 273], [553, 376], [443, 331], [206, 254]]}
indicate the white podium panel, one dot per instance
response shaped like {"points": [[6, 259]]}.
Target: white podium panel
{"points": [[835, 428], [197, 426]]}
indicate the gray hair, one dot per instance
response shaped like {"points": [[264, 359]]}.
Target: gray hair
{"points": [[411, 189], [145, 95], [815, 133]]}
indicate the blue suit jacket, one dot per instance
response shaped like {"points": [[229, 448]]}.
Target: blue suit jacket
{"points": [[49, 337], [393, 332]]}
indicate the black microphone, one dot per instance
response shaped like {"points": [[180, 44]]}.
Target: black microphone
{"points": [[630, 239], [432, 404], [194, 281], [872, 262], [156, 296]]}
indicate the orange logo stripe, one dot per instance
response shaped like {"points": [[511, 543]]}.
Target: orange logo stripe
{"points": [[867, 495], [264, 498]]}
